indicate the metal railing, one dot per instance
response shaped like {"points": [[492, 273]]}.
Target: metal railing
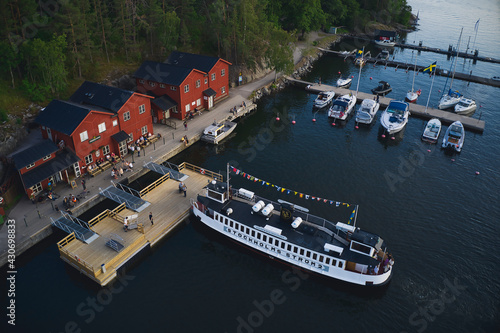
{"points": [[154, 185], [125, 188], [208, 173], [120, 199]]}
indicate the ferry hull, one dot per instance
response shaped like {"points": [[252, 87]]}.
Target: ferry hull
{"points": [[288, 258]]}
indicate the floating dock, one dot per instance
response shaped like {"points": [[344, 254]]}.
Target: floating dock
{"points": [[101, 258], [416, 110], [419, 68]]}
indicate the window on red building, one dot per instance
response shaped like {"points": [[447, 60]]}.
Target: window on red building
{"points": [[223, 90], [36, 188], [115, 123], [130, 137], [126, 116], [84, 136], [152, 84], [213, 76], [173, 88], [88, 159], [144, 130], [102, 127], [222, 72], [142, 108], [198, 83], [206, 81], [162, 85], [105, 150], [30, 166], [46, 157], [186, 88]]}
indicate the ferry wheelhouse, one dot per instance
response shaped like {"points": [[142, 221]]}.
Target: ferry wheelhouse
{"points": [[287, 232]]}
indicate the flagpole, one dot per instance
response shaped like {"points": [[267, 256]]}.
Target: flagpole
{"points": [[430, 90], [359, 75], [475, 28], [355, 216]]}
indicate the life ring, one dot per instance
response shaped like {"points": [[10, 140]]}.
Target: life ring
{"points": [[195, 204], [202, 171]]}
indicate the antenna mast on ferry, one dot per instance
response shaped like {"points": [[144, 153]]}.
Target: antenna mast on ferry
{"points": [[227, 181]]}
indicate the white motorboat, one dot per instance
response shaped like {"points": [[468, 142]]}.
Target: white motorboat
{"points": [[454, 136], [324, 98], [216, 132], [395, 116], [465, 105], [412, 96], [449, 100], [432, 130], [288, 233], [342, 107], [384, 42], [367, 111], [344, 82]]}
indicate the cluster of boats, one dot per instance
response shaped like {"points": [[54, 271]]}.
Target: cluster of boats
{"points": [[393, 119]]}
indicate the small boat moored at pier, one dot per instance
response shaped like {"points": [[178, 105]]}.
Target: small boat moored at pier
{"points": [[342, 107], [449, 100], [367, 111], [432, 130], [324, 98], [454, 137], [344, 82], [216, 132], [288, 233], [395, 116], [465, 105], [382, 89]]}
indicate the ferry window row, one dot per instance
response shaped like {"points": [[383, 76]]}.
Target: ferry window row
{"points": [[270, 240]]}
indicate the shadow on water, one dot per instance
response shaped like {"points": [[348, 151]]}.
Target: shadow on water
{"points": [[390, 140], [333, 284]]}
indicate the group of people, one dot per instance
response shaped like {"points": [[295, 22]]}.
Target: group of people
{"points": [[116, 172], [185, 140], [70, 201], [384, 266]]}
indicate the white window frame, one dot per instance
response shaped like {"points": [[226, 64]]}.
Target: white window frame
{"points": [[105, 150], [142, 108], [115, 122], [89, 159], [198, 102], [198, 83], [84, 136], [144, 129], [37, 188], [162, 85], [174, 88], [126, 116], [223, 90], [47, 157], [206, 80], [130, 137], [152, 84], [222, 72], [29, 166], [141, 81], [188, 107], [101, 127], [186, 88], [213, 76]]}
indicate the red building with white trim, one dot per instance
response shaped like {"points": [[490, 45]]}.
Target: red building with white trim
{"points": [[183, 83]]}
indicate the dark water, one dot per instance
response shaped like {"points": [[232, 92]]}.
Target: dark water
{"points": [[440, 219]]}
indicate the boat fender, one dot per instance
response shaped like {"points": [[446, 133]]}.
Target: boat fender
{"points": [[229, 211], [258, 206], [195, 204]]}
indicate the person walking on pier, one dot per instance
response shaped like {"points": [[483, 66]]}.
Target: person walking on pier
{"points": [[84, 185], [185, 125], [184, 189], [151, 218]]}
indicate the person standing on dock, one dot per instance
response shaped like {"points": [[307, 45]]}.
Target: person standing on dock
{"points": [[138, 151], [84, 185], [185, 125], [151, 218], [184, 189], [125, 224]]}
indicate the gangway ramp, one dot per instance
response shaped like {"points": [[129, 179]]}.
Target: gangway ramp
{"points": [[133, 202], [165, 168], [71, 224]]}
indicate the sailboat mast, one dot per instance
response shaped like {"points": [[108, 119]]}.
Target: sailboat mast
{"points": [[355, 216], [456, 58], [359, 76], [430, 90], [414, 70]]}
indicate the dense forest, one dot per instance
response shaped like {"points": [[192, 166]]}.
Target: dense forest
{"points": [[47, 43]]}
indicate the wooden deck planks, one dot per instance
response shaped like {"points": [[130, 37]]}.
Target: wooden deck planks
{"points": [[168, 207]]}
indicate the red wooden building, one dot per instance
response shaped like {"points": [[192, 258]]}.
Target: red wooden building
{"points": [[96, 121], [183, 83]]}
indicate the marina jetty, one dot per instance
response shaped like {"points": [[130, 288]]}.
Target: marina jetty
{"points": [[416, 110], [99, 247], [419, 68]]}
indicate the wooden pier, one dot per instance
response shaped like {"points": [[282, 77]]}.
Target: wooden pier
{"points": [[416, 110], [419, 68], [98, 261]]}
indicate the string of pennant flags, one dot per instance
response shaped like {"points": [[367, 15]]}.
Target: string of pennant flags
{"points": [[286, 190]]}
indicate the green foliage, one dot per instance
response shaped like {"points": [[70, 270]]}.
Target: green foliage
{"points": [[34, 91], [3, 115]]}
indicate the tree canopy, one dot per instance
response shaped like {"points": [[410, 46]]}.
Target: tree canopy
{"points": [[44, 43]]}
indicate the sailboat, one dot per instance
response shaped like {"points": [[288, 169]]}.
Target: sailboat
{"points": [[452, 97], [412, 95]]}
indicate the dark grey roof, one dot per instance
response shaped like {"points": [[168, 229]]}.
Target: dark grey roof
{"points": [[33, 153], [102, 96], [190, 60], [63, 160], [365, 237], [385, 33], [120, 136], [161, 72], [164, 102], [62, 116], [209, 92]]}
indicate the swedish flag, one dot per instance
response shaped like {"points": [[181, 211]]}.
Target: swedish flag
{"points": [[431, 68]]}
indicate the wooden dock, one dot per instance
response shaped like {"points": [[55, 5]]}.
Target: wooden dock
{"points": [[416, 110], [419, 68], [100, 262]]}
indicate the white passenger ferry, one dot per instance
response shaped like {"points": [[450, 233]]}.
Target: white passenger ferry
{"points": [[289, 233]]}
